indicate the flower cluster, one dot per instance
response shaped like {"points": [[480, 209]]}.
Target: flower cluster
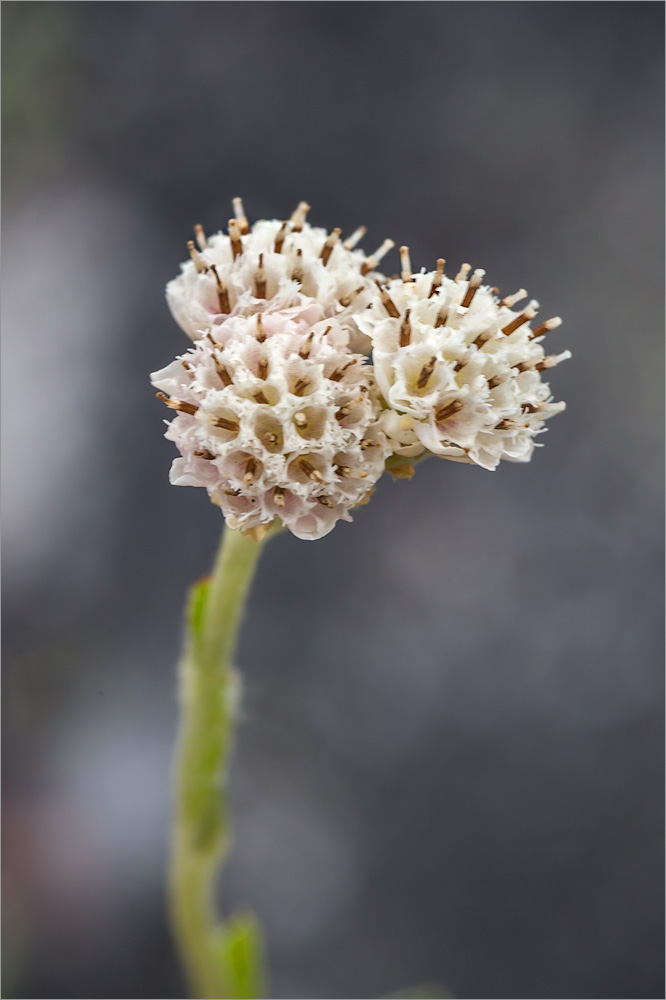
{"points": [[310, 373], [459, 370]]}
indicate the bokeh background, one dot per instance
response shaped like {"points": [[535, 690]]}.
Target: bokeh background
{"points": [[450, 763]]}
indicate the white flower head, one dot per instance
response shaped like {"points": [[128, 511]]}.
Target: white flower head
{"points": [[459, 368], [277, 420], [272, 267]]}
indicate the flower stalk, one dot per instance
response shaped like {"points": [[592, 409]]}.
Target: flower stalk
{"points": [[221, 961]]}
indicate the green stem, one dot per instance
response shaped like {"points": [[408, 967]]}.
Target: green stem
{"points": [[200, 833]]}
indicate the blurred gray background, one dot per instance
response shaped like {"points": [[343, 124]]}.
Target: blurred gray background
{"points": [[450, 763]]}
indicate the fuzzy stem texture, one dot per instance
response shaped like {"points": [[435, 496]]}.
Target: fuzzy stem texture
{"points": [[220, 961]]}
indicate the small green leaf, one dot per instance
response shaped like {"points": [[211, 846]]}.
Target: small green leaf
{"points": [[241, 950]]}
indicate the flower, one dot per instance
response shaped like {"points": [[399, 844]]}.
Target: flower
{"points": [[309, 373], [276, 423], [277, 417], [274, 266], [459, 368]]}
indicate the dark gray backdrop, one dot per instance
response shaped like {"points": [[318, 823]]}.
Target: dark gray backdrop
{"points": [[450, 764]]}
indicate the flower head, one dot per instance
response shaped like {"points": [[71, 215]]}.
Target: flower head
{"points": [[288, 267], [459, 368]]}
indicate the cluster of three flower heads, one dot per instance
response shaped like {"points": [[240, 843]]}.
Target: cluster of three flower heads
{"points": [[310, 373]]}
